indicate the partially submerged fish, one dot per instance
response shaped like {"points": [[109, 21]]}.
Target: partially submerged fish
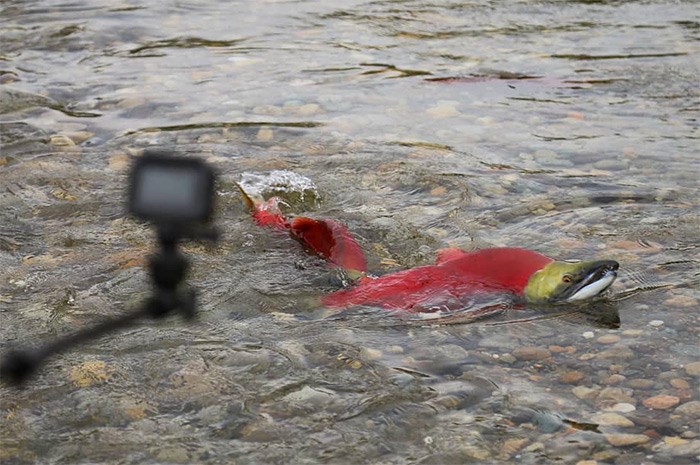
{"points": [[457, 274], [455, 277], [327, 238]]}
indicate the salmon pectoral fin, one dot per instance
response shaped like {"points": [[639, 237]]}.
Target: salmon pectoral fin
{"points": [[331, 240]]}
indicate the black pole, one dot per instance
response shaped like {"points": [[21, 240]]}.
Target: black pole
{"points": [[167, 269], [19, 364]]}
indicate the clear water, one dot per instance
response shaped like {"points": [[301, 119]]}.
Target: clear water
{"points": [[567, 127]]}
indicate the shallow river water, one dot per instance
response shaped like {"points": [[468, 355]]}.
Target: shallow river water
{"points": [[567, 127]]}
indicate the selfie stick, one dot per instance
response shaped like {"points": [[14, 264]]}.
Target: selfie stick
{"points": [[167, 269]]}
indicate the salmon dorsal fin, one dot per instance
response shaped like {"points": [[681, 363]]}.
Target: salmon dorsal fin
{"points": [[448, 254]]}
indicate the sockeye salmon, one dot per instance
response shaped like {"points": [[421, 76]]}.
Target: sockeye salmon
{"points": [[455, 276]]}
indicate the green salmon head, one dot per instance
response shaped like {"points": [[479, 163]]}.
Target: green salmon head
{"points": [[570, 281]]}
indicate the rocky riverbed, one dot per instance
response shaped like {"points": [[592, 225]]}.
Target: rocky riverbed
{"points": [[566, 127]]}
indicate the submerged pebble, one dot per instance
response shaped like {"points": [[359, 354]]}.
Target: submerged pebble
{"points": [[616, 353], [608, 339], [571, 377], [639, 383], [622, 407], [584, 392], [613, 379], [661, 402], [615, 395], [531, 353], [679, 383], [676, 449], [690, 410], [623, 439], [611, 419], [60, 140], [674, 441], [693, 369]]}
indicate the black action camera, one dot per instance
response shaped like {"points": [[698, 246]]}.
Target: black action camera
{"points": [[169, 190]]}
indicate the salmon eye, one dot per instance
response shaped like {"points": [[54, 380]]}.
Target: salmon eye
{"points": [[567, 278]]}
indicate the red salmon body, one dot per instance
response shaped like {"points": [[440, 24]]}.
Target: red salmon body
{"points": [[454, 275], [327, 238], [331, 240], [268, 213]]}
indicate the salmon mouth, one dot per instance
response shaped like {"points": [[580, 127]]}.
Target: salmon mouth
{"points": [[591, 280]]}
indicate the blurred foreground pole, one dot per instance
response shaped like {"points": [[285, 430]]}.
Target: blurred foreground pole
{"points": [[176, 194]]}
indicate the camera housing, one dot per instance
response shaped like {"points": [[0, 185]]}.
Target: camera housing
{"points": [[171, 190]]}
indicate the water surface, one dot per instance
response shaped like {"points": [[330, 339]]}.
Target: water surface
{"points": [[567, 127]]}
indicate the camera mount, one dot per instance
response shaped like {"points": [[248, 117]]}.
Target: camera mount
{"points": [[155, 194]]}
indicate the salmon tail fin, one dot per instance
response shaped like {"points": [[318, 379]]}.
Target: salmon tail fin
{"points": [[265, 212], [249, 202]]}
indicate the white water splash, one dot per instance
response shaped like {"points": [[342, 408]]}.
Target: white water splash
{"points": [[281, 183]]}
